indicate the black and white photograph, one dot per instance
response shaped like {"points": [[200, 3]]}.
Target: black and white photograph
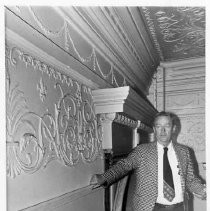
{"points": [[105, 107]]}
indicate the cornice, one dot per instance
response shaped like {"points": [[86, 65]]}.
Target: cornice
{"points": [[110, 100], [123, 99]]}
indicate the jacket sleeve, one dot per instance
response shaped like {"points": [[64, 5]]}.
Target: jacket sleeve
{"points": [[194, 184], [122, 167]]}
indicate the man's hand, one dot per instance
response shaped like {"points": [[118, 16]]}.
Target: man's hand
{"points": [[96, 180], [201, 196]]}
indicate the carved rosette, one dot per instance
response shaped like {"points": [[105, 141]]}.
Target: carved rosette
{"points": [[69, 133]]}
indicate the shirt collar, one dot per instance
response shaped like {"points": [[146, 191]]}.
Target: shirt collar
{"points": [[160, 146]]}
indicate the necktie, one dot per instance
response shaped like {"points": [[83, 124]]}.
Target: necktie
{"points": [[168, 184]]}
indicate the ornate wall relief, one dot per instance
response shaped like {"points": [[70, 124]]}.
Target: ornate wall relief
{"points": [[193, 133], [184, 100], [49, 116], [72, 41]]}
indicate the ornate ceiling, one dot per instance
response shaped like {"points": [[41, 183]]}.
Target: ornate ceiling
{"points": [[178, 32]]}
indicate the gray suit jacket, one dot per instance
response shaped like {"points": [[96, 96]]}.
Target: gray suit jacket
{"points": [[143, 160]]}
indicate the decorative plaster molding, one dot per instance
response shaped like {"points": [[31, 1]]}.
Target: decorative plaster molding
{"points": [[183, 86], [182, 34], [193, 134], [144, 127], [123, 99], [124, 120], [70, 134], [182, 72], [154, 82], [65, 70], [185, 100], [153, 92], [159, 73], [108, 117], [152, 31], [110, 100], [68, 42], [136, 23], [181, 30], [188, 112], [97, 24], [109, 12], [187, 63], [106, 120], [42, 90], [108, 151], [17, 54]]}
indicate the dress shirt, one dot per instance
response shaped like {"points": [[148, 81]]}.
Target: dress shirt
{"points": [[176, 175]]}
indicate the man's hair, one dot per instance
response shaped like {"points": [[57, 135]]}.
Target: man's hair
{"points": [[163, 113]]}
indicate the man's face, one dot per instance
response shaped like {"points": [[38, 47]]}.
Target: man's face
{"points": [[163, 130]]}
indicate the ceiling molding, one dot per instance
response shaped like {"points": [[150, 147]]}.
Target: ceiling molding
{"points": [[117, 23], [134, 14], [152, 30]]}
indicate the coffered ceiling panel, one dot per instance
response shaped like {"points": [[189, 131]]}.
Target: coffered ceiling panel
{"points": [[178, 32]]}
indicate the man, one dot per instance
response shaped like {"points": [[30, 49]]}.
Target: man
{"points": [[163, 171]]}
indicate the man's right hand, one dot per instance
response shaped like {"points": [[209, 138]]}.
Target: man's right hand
{"points": [[96, 180]]}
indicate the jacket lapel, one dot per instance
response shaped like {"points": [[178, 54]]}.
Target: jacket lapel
{"points": [[181, 162]]}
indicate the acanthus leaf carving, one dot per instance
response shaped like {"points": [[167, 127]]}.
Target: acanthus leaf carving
{"points": [[42, 90], [69, 134]]}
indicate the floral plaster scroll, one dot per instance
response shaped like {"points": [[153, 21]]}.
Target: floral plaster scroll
{"points": [[61, 126]]}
